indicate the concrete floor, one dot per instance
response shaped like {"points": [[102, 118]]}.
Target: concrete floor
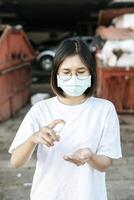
{"points": [[16, 184]]}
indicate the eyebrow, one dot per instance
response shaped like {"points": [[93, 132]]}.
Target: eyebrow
{"points": [[80, 68]]}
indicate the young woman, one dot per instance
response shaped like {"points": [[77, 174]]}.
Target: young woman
{"points": [[77, 134]]}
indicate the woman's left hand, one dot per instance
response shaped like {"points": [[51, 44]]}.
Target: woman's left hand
{"points": [[79, 157]]}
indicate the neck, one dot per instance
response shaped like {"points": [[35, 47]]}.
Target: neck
{"points": [[72, 100]]}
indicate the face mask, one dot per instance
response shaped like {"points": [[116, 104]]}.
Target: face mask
{"points": [[74, 86]]}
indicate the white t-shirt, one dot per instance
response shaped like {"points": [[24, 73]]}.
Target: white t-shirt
{"points": [[92, 124]]}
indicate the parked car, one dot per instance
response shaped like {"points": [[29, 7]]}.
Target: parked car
{"points": [[42, 65]]}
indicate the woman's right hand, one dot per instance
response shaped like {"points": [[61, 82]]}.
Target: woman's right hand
{"points": [[46, 135]]}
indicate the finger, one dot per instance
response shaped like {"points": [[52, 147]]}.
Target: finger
{"points": [[65, 157], [68, 158], [76, 162], [78, 156], [73, 160], [86, 160], [42, 141], [53, 135], [48, 139], [55, 122], [46, 143], [50, 133]]}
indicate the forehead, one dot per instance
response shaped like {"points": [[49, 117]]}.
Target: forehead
{"points": [[72, 62]]}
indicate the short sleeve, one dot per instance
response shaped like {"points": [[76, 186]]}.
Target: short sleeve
{"points": [[28, 126], [110, 144]]}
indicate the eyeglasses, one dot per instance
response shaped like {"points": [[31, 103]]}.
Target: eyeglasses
{"points": [[68, 76]]}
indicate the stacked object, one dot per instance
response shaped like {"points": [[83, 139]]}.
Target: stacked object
{"points": [[16, 54], [115, 61]]}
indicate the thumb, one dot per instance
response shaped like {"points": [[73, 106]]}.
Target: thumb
{"points": [[55, 122], [65, 157]]}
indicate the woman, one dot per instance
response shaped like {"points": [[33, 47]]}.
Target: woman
{"points": [[77, 134]]}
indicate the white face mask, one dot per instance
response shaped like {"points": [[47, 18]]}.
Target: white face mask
{"points": [[74, 86]]}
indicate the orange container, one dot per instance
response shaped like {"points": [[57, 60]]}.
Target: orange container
{"points": [[16, 54], [117, 85], [25, 95], [106, 16], [15, 47], [6, 84], [5, 109], [21, 76], [20, 98], [10, 106], [14, 90], [16, 102]]}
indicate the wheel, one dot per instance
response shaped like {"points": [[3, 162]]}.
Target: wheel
{"points": [[46, 63]]}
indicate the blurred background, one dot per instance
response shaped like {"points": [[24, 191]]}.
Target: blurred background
{"points": [[30, 32]]}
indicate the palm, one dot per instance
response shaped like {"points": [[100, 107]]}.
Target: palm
{"points": [[79, 157]]}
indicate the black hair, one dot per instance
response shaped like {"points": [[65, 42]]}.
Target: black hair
{"points": [[71, 47]]}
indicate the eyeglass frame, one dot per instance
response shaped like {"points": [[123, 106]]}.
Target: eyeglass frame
{"points": [[76, 74]]}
